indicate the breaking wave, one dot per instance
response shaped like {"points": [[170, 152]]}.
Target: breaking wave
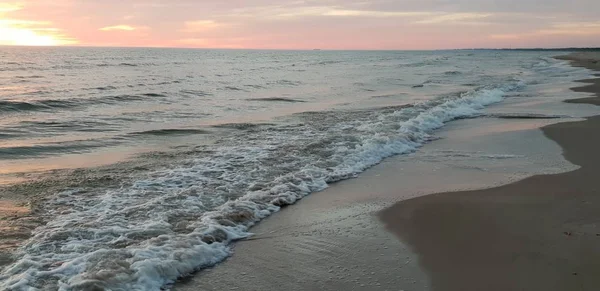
{"points": [[154, 229]]}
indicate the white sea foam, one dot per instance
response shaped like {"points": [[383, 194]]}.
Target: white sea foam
{"points": [[145, 235]]}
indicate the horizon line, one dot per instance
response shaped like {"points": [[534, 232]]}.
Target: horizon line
{"points": [[298, 49]]}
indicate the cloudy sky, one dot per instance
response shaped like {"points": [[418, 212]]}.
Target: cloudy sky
{"points": [[302, 24]]}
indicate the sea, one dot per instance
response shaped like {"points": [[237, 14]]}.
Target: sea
{"points": [[143, 165]]}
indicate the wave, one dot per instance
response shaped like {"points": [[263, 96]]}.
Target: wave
{"points": [[14, 106], [524, 116], [69, 125], [106, 88], [154, 95], [429, 61], [126, 64], [232, 88], [256, 86], [287, 83], [11, 133], [325, 63], [240, 126], [116, 98], [196, 93], [153, 230], [30, 77], [452, 73], [462, 154], [277, 99], [171, 131], [51, 149], [54, 104]]}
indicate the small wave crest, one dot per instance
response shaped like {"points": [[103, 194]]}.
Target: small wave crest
{"points": [[50, 149], [277, 99], [154, 95], [452, 73], [240, 126], [524, 116], [126, 64], [429, 61], [55, 104], [30, 77], [196, 93], [462, 154], [171, 131], [286, 83], [15, 106], [11, 133], [326, 63], [51, 127], [232, 88], [106, 88]]}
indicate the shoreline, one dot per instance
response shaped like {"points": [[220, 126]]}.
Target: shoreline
{"points": [[541, 233], [334, 240]]}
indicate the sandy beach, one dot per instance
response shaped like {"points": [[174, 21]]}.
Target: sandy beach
{"points": [[299, 145], [364, 233], [341, 239], [541, 233]]}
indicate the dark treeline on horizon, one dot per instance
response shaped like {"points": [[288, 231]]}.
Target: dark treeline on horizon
{"points": [[554, 49]]}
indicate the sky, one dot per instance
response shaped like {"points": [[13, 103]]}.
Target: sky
{"points": [[307, 24]]}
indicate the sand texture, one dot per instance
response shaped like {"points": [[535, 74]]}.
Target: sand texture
{"points": [[541, 233], [333, 240]]}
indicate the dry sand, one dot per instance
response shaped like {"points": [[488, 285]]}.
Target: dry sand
{"points": [[541, 233]]}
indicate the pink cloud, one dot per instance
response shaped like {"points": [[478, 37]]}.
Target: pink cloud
{"points": [[291, 24]]}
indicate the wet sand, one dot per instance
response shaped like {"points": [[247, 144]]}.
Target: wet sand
{"points": [[592, 62], [541, 233], [334, 240]]}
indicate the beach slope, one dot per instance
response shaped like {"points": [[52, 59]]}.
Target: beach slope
{"points": [[541, 233]]}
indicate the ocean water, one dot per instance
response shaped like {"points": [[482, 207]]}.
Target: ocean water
{"points": [[149, 162]]}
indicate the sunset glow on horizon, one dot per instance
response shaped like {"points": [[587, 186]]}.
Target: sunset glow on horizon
{"points": [[292, 24]]}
